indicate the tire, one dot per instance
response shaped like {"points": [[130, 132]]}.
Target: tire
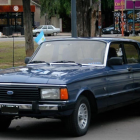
{"points": [[54, 34], [78, 122], [4, 123], [112, 32], [37, 34]]}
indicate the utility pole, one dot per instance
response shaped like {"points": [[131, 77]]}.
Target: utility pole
{"points": [[73, 18], [100, 19], [133, 34]]}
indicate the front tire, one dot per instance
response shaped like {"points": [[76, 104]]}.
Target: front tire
{"points": [[4, 123], [111, 32], [78, 122], [37, 34]]}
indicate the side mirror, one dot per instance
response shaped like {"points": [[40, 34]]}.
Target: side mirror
{"points": [[115, 61], [27, 59]]}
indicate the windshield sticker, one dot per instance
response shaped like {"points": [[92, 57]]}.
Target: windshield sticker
{"points": [[58, 73], [47, 45]]}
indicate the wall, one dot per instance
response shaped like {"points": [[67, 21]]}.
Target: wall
{"points": [[57, 22], [5, 2], [16, 2]]}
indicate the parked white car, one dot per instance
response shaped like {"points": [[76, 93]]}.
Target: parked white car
{"points": [[47, 29]]}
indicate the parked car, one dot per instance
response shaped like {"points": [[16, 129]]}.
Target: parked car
{"points": [[72, 79], [47, 29], [109, 30]]}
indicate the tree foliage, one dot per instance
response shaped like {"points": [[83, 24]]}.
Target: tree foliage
{"points": [[61, 7], [55, 7]]}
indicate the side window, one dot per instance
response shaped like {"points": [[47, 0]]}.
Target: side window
{"points": [[50, 27], [45, 27], [115, 50], [132, 53]]}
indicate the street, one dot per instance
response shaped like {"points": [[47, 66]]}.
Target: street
{"points": [[60, 35], [120, 124]]}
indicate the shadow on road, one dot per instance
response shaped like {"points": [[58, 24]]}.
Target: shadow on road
{"points": [[53, 129]]}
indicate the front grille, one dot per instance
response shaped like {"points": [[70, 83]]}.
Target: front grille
{"points": [[19, 93]]}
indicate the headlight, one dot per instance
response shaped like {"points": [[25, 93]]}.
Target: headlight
{"points": [[54, 93], [50, 94]]}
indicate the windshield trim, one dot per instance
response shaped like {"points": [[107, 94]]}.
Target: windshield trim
{"points": [[78, 39]]}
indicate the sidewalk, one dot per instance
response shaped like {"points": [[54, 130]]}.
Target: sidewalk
{"points": [[19, 35]]}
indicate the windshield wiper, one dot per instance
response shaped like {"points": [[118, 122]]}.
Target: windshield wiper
{"points": [[64, 61], [39, 62]]}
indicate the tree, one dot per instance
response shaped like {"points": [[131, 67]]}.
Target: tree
{"points": [[29, 44], [55, 7], [86, 13]]}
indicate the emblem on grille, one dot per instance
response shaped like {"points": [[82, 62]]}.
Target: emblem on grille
{"points": [[10, 92]]}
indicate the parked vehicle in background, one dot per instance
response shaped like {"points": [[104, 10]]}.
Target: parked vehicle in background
{"points": [[47, 29], [109, 30], [72, 79]]}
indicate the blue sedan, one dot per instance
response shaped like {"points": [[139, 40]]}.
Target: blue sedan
{"points": [[72, 79]]}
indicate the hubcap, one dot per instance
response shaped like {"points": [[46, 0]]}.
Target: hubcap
{"points": [[82, 116]]}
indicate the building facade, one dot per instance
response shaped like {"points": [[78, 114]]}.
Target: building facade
{"points": [[11, 14]]}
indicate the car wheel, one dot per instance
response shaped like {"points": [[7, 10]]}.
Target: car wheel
{"points": [[112, 32], [79, 121], [37, 34], [4, 123], [54, 34]]}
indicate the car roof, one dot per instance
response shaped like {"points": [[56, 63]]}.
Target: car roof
{"points": [[104, 39]]}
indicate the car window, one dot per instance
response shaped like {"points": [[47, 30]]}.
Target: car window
{"points": [[39, 27], [132, 53], [50, 27], [115, 50], [45, 27], [84, 52]]}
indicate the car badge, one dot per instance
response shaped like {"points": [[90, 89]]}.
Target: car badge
{"points": [[10, 92]]}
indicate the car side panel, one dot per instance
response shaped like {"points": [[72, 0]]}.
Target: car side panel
{"points": [[97, 86], [120, 85], [135, 68]]}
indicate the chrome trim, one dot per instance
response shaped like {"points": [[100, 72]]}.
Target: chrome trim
{"points": [[21, 106], [42, 107], [106, 54], [22, 84], [60, 102], [48, 107]]}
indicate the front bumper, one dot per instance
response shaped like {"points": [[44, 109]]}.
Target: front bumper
{"points": [[37, 109], [30, 106]]}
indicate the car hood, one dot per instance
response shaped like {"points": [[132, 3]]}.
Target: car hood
{"points": [[46, 74]]}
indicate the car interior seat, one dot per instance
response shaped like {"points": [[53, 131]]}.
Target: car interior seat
{"points": [[112, 53]]}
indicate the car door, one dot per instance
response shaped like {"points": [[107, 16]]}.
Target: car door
{"points": [[44, 29], [50, 29], [132, 53], [119, 78]]}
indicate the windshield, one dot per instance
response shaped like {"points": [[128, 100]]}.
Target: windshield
{"points": [[39, 27], [82, 52]]}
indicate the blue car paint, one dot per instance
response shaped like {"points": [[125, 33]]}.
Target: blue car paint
{"points": [[99, 80]]}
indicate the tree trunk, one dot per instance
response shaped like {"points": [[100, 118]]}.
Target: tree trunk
{"points": [[86, 18], [94, 23], [83, 18], [29, 44]]}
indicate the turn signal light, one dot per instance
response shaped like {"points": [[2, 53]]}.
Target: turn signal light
{"points": [[64, 94]]}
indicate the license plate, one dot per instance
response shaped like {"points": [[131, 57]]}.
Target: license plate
{"points": [[9, 109]]}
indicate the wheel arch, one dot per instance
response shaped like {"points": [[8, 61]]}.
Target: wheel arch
{"points": [[92, 101]]}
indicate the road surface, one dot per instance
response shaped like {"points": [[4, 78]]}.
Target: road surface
{"points": [[120, 124]]}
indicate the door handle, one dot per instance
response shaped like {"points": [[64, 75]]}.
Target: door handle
{"points": [[129, 69]]}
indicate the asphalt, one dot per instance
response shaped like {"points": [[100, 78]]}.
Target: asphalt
{"points": [[19, 35]]}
